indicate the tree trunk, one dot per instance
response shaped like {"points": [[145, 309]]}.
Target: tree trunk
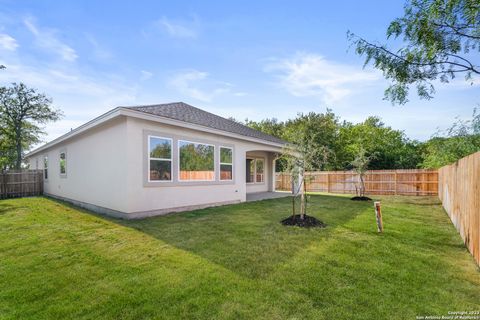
{"points": [[18, 145], [293, 206], [362, 186], [302, 203]]}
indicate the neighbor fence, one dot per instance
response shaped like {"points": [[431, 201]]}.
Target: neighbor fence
{"points": [[21, 183], [417, 182], [459, 191]]}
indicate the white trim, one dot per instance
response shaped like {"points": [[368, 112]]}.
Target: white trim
{"points": [[45, 167], [263, 173], [122, 111], [254, 158], [84, 127], [178, 164], [159, 159], [254, 168], [224, 163], [62, 174]]}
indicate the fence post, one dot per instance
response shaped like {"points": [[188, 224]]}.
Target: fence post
{"points": [[3, 189], [396, 177], [328, 182], [378, 216]]}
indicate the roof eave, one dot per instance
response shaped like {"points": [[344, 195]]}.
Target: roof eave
{"points": [[84, 127], [119, 111], [189, 125]]}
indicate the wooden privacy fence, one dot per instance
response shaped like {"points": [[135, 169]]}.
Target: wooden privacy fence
{"points": [[459, 191], [21, 183], [417, 182]]}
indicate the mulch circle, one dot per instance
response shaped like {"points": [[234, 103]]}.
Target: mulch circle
{"points": [[361, 199], [307, 222]]}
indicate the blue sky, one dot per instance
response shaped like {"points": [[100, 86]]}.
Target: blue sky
{"points": [[241, 59]]}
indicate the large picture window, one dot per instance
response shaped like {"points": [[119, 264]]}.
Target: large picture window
{"points": [[196, 161], [159, 159], [226, 163]]}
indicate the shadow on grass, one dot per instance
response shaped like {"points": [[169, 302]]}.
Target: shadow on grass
{"points": [[5, 208], [248, 238]]}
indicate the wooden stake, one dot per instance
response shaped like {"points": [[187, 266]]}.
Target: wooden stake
{"points": [[378, 216]]}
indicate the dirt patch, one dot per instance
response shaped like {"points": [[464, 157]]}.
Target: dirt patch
{"points": [[307, 222], [361, 199]]}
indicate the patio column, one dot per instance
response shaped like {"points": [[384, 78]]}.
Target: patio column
{"points": [[274, 177]]}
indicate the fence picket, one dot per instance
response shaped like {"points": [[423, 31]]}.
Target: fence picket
{"points": [[21, 183], [383, 182]]}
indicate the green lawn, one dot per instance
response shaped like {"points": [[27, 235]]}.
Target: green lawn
{"points": [[234, 262]]}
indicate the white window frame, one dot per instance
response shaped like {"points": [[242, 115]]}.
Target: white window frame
{"points": [[263, 174], [160, 159], [63, 174], [255, 169], [45, 167], [224, 163], [178, 164]]}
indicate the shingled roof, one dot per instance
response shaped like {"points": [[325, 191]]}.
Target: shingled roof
{"points": [[187, 113]]}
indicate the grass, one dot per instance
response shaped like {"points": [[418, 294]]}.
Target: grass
{"points": [[234, 262]]}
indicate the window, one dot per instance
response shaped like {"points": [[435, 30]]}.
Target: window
{"points": [[250, 170], [45, 167], [255, 170], [259, 170], [226, 163], [159, 159], [196, 161], [63, 163]]}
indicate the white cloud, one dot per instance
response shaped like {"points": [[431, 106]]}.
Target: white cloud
{"points": [[312, 75], [80, 96], [99, 51], [240, 94], [146, 75], [7, 42], [48, 40], [195, 84], [178, 29]]}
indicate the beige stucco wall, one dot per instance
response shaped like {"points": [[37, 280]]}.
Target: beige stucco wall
{"points": [[183, 194], [106, 167], [96, 167]]}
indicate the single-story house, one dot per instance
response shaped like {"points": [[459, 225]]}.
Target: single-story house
{"points": [[134, 162]]}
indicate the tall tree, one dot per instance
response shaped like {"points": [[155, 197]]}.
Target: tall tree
{"points": [[441, 40], [22, 112], [322, 129], [271, 126], [392, 149], [458, 141]]}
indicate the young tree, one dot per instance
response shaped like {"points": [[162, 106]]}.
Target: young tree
{"points": [[360, 166], [22, 111], [442, 40], [303, 155]]}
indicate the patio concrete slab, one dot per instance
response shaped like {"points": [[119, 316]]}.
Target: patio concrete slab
{"points": [[266, 195]]}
